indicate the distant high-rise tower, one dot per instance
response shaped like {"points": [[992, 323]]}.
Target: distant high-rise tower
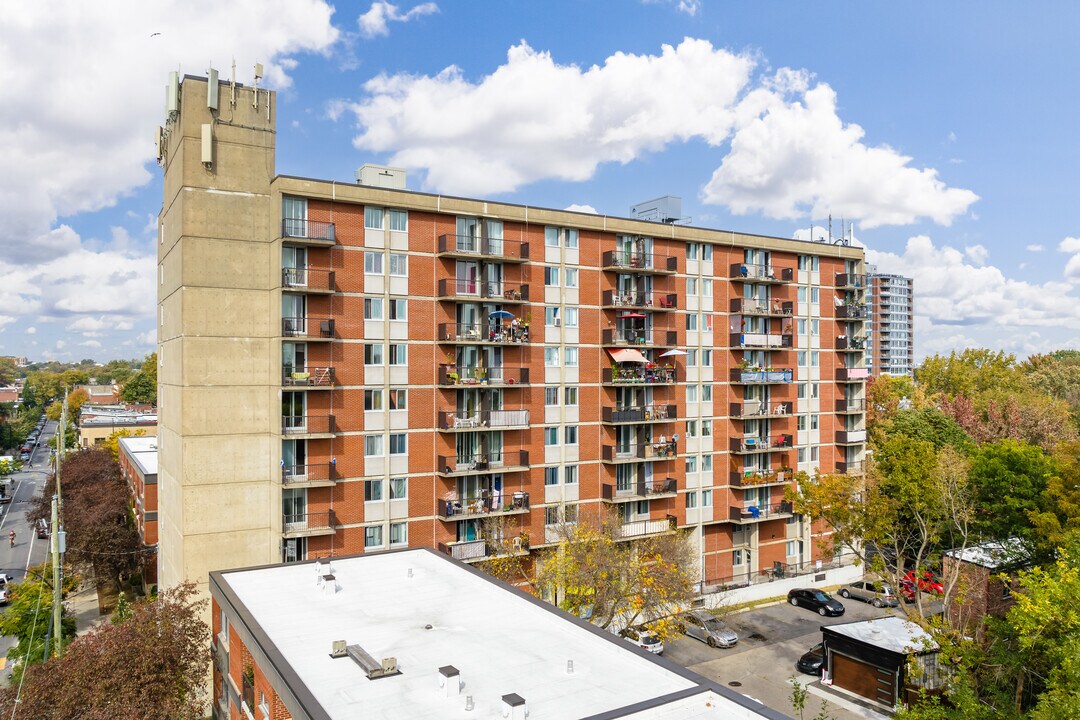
{"points": [[891, 350]]}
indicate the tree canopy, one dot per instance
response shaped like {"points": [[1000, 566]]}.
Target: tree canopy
{"points": [[142, 387]]}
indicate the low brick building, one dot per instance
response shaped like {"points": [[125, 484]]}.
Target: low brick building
{"points": [[139, 464], [986, 578]]}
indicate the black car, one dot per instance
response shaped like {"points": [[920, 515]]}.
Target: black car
{"points": [[811, 662], [814, 599]]}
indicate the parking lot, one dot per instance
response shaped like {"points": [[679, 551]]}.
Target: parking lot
{"points": [[771, 640]]}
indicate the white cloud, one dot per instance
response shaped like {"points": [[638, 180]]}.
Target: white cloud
{"points": [[31, 330], [374, 21], [1069, 245], [1034, 248], [582, 209], [951, 136], [690, 7], [977, 254], [90, 344], [60, 344]]}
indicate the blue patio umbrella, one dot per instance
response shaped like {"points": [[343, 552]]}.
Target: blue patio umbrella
{"points": [[501, 315]]}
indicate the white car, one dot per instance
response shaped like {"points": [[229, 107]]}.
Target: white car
{"points": [[644, 639]]}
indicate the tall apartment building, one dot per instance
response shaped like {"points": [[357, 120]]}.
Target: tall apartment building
{"points": [[347, 368], [891, 348]]}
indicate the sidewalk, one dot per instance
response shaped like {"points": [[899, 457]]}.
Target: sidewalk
{"points": [[83, 606]]}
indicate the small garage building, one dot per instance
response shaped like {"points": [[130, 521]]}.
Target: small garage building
{"points": [[870, 659]]}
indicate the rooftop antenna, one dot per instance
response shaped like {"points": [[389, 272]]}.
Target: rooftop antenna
{"points": [[232, 101], [258, 77], [830, 227]]}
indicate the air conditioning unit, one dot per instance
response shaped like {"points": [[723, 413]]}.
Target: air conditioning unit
{"points": [[558, 322]]}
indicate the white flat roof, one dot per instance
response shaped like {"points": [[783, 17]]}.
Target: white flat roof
{"points": [[889, 633], [143, 451], [994, 553], [428, 612]]}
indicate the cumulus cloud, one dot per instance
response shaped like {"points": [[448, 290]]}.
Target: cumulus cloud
{"points": [[90, 344], [374, 21], [1069, 245], [582, 209], [977, 254], [1034, 248], [30, 330]]}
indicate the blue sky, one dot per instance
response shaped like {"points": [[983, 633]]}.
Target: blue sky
{"points": [[945, 131]]}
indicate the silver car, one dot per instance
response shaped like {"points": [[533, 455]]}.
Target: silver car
{"points": [[709, 629], [876, 593]]}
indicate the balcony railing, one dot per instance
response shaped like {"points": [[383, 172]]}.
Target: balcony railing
{"points": [[247, 693], [751, 477], [308, 279], [851, 468], [641, 451], [667, 487], [460, 507], [307, 424], [504, 461], [852, 312], [469, 246], [761, 273], [644, 528], [750, 306], [501, 376], [760, 444], [851, 406], [754, 513], [483, 419], [639, 300], [465, 550], [307, 377], [846, 280], [639, 414], [760, 340], [308, 230], [762, 377], [317, 523], [639, 375], [850, 437], [310, 473], [307, 327], [637, 338], [503, 334], [851, 343], [760, 409], [852, 374], [472, 290], [639, 261]]}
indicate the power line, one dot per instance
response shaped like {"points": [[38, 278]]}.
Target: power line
{"points": [[29, 646]]}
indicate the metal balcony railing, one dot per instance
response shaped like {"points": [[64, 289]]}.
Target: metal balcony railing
{"points": [[465, 550], [460, 507], [308, 230], [851, 344], [308, 279], [639, 300], [307, 424], [850, 437], [634, 374], [316, 522], [753, 513], [644, 528], [488, 333], [855, 311], [772, 376], [639, 414], [492, 248], [636, 338], [641, 451], [309, 376], [751, 477], [307, 327], [750, 306], [759, 408], [851, 406], [501, 376], [657, 488], [761, 273], [851, 468], [632, 260], [483, 419], [845, 280], [498, 291], [311, 472], [760, 340], [500, 461], [760, 444]]}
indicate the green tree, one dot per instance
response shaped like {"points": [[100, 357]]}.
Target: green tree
{"points": [[28, 615], [931, 425], [970, 372], [142, 387], [1008, 480], [1058, 519]]}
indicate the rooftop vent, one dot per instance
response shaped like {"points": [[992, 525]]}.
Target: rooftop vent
{"points": [[450, 681], [513, 707], [373, 668], [381, 176], [667, 209]]}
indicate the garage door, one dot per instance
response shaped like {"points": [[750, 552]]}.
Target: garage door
{"points": [[864, 679]]}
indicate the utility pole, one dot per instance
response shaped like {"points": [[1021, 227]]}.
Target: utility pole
{"points": [[56, 542]]}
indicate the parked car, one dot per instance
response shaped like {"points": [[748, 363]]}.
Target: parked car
{"points": [[876, 593], [42, 528], [25, 457], [927, 582], [4, 598], [812, 660], [644, 639], [709, 629], [817, 600]]}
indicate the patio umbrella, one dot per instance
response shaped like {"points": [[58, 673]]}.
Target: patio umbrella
{"points": [[670, 353], [501, 315], [625, 316], [628, 355]]}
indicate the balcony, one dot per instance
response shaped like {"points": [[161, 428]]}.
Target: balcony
{"points": [[774, 308], [851, 406], [457, 376], [762, 274], [308, 524], [462, 421], [307, 377], [478, 290], [851, 344], [851, 468], [854, 311], [467, 246], [850, 437], [308, 328], [483, 334], [310, 425], [483, 463], [639, 262], [756, 513], [611, 300], [645, 528], [852, 374], [308, 232], [655, 490], [747, 445], [775, 376], [638, 415], [310, 475], [848, 281], [754, 409], [760, 340], [459, 507], [640, 338], [308, 280], [634, 374], [756, 477], [642, 452]]}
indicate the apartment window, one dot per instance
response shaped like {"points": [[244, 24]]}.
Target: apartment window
{"points": [[802, 326], [706, 498], [706, 287], [808, 262], [691, 463], [570, 397], [373, 263], [399, 264], [791, 548], [706, 428], [814, 420], [373, 353], [802, 294], [399, 488], [739, 556], [691, 321], [801, 423], [706, 358], [691, 251], [570, 357], [551, 396], [372, 490], [814, 453], [814, 295], [399, 534], [399, 443], [373, 400], [373, 445], [551, 276], [691, 358], [373, 218], [399, 308], [691, 286], [691, 428], [570, 317], [373, 536], [571, 435], [815, 358], [570, 514], [801, 452], [570, 475], [399, 220], [551, 436], [706, 393], [570, 275], [551, 476], [551, 356], [706, 463], [551, 236], [706, 322], [706, 252], [691, 500], [815, 327], [551, 315], [551, 515], [691, 393], [800, 391], [801, 355], [399, 354], [815, 390], [373, 309]]}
